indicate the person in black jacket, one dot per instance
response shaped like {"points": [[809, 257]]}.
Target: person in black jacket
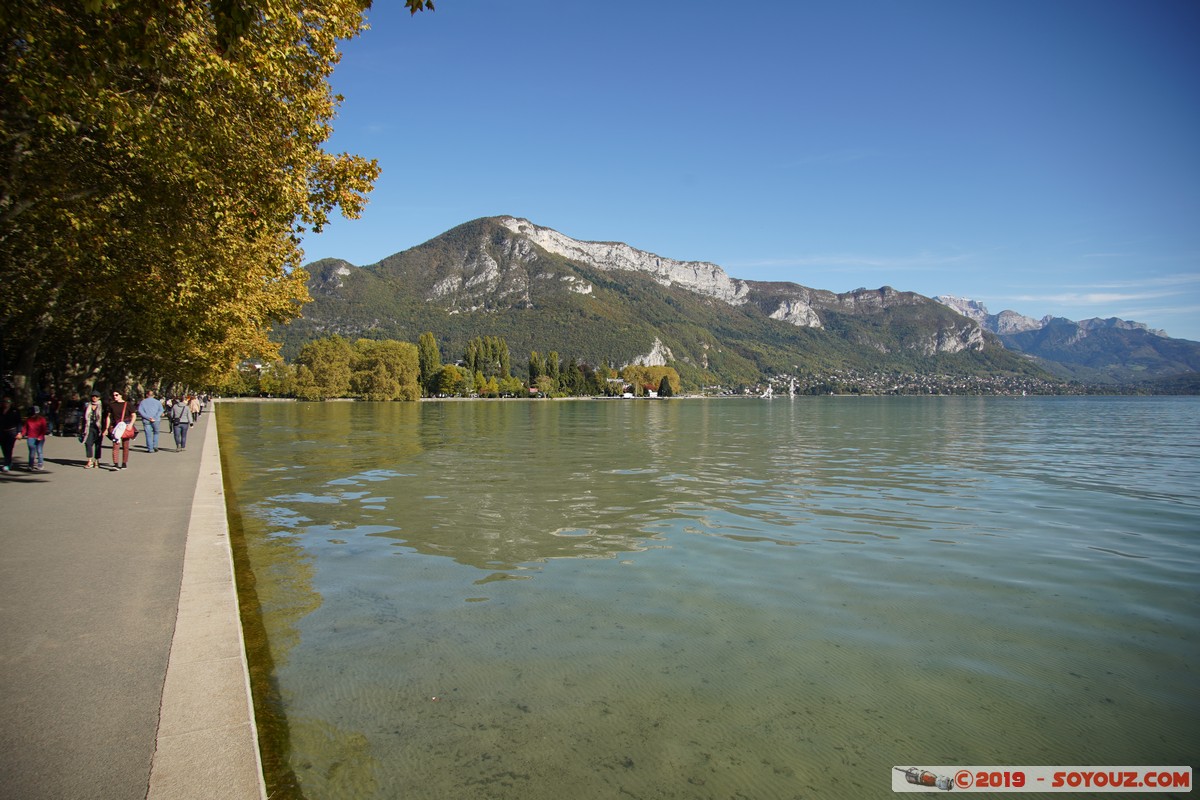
{"points": [[91, 429], [10, 426]]}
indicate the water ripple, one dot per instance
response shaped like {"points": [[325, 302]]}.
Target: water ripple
{"points": [[727, 598]]}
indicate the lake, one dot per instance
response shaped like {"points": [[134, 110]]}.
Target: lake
{"points": [[735, 598]]}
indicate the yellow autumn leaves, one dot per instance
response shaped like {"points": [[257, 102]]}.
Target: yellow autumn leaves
{"points": [[156, 167]]}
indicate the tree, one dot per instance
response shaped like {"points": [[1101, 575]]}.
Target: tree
{"points": [[471, 357], [430, 360], [323, 369], [489, 355], [664, 387], [277, 378], [553, 367], [449, 382], [505, 359], [599, 380], [643, 377], [537, 368], [572, 378], [385, 370], [241, 383], [512, 387], [157, 161], [375, 383]]}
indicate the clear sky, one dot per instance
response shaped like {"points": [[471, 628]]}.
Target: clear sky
{"points": [[1036, 155]]}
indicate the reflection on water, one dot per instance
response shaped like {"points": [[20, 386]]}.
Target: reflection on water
{"points": [[719, 598]]}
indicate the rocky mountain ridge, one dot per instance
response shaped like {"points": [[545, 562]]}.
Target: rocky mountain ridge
{"points": [[1010, 322], [697, 276], [1093, 350], [607, 302], [788, 302]]}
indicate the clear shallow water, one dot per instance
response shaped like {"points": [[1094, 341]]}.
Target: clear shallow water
{"points": [[726, 598]]}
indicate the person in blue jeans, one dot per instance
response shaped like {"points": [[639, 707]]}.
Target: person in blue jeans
{"points": [[150, 410], [181, 420], [34, 432]]}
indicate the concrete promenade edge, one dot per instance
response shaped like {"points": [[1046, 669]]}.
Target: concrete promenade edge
{"points": [[122, 665]]}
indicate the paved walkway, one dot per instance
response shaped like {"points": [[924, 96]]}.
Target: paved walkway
{"points": [[122, 670]]}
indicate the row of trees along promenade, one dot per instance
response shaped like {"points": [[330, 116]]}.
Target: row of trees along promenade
{"points": [[159, 163]]}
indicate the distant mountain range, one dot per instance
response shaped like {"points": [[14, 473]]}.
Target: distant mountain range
{"points": [[1092, 350], [607, 302]]}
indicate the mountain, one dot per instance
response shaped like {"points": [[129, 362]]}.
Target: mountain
{"points": [[1003, 323], [607, 302], [1091, 350], [1106, 351]]}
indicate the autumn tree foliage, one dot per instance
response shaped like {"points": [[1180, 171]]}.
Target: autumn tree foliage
{"points": [[158, 161], [386, 370], [646, 378], [368, 369]]}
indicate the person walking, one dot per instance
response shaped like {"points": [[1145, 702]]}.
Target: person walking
{"points": [[91, 428], [194, 406], [118, 422], [10, 429], [150, 410], [34, 433], [51, 410], [181, 420]]}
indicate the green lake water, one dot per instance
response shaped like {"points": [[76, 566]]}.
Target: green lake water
{"points": [[715, 598]]}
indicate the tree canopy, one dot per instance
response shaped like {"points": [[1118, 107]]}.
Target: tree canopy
{"points": [[333, 367], [429, 358], [158, 161], [386, 369]]}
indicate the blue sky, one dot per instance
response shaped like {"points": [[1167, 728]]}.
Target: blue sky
{"points": [[1036, 156]]}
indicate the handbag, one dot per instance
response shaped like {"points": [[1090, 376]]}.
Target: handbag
{"points": [[123, 429]]}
